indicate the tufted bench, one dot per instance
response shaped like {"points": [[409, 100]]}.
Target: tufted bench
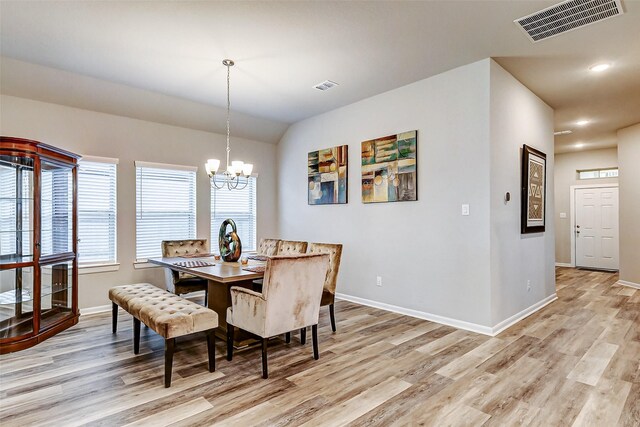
{"points": [[169, 315]]}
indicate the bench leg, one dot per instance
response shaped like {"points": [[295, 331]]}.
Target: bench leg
{"points": [[136, 336], [314, 334], [169, 347], [303, 336], [114, 317], [211, 349], [265, 373], [229, 341], [287, 337]]}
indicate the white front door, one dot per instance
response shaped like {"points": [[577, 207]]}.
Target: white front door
{"points": [[597, 228]]}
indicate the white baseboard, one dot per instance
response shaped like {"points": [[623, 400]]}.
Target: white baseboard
{"points": [[95, 310], [524, 313], [629, 284], [564, 264], [460, 324]]}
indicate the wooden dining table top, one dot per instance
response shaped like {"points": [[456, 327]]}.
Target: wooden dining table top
{"points": [[221, 271]]}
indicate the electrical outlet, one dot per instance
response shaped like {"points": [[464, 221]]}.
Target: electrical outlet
{"points": [[378, 280], [528, 285]]}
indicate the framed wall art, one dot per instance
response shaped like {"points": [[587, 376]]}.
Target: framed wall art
{"points": [[533, 191], [327, 176], [389, 168]]}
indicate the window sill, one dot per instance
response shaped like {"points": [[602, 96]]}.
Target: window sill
{"points": [[98, 268], [144, 264]]}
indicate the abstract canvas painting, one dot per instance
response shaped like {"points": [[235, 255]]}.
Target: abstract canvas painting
{"points": [[389, 168], [327, 176], [534, 165]]}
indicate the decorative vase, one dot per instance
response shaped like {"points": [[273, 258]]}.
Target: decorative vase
{"points": [[229, 243]]}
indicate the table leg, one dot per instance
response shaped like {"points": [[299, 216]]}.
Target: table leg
{"points": [[219, 299]]}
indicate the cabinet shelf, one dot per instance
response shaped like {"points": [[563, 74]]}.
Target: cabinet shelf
{"points": [[10, 297], [15, 259]]}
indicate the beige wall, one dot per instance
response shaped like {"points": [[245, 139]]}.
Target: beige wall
{"points": [[433, 261], [629, 164], [522, 265], [99, 134], [565, 176]]}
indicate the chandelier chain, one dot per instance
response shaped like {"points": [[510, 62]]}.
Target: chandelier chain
{"points": [[228, 110]]}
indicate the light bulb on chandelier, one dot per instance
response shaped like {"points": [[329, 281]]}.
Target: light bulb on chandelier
{"points": [[231, 177]]}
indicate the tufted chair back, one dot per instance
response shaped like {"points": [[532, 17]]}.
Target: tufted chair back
{"points": [[268, 247], [335, 253], [178, 282], [291, 247], [177, 248]]}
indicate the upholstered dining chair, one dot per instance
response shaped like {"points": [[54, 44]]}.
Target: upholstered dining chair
{"points": [[178, 282], [290, 300], [329, 291], [268, 247], [289, 247]]}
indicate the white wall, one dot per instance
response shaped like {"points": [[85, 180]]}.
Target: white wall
{"points": [[518, 117], [98, 134], [629, 180], [566, 165]]}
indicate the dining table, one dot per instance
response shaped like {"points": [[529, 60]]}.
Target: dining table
{"points": [[221, 276]]}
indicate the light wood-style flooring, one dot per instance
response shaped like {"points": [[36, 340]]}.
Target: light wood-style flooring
{"points": [[575, 362]]}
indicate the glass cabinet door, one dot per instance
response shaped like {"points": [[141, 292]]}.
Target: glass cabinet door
{"points": [[56, 291], [56, 209], [16, 246], [16, 302], [16, 207]]}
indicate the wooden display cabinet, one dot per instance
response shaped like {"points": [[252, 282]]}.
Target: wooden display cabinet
{"points": [[38, 242]]}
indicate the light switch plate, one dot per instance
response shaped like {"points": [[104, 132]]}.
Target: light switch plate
{"points": [[563, 214], [465, 210]]}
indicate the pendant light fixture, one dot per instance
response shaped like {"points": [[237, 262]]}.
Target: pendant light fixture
{"points": [[231, 178]]}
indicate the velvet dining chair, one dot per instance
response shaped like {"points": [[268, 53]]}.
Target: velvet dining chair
{"points": [[290, 300]]}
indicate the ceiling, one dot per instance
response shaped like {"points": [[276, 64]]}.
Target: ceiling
{"points": [[174, 50]]}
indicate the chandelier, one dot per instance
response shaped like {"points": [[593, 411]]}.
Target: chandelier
{"points": [[231, 178]]}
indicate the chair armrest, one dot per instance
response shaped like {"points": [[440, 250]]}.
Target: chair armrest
{"points": [[248, 310], [238, 289]]}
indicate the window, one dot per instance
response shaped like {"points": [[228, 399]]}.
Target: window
{"points": [[598, 173], [165, 206], [97, 209], [240, 206]]}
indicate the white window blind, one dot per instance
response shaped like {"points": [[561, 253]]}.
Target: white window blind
{"points": [[165, 206], [240, 206], [97, 210]]}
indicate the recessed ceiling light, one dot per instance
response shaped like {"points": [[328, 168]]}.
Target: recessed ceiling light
{"points": [[582, 122], [597, 68], [579, 145], [563, 132]]}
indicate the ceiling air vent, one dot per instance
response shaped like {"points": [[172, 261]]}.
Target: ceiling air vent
{"points": [[566, 16], [327, 84]]}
